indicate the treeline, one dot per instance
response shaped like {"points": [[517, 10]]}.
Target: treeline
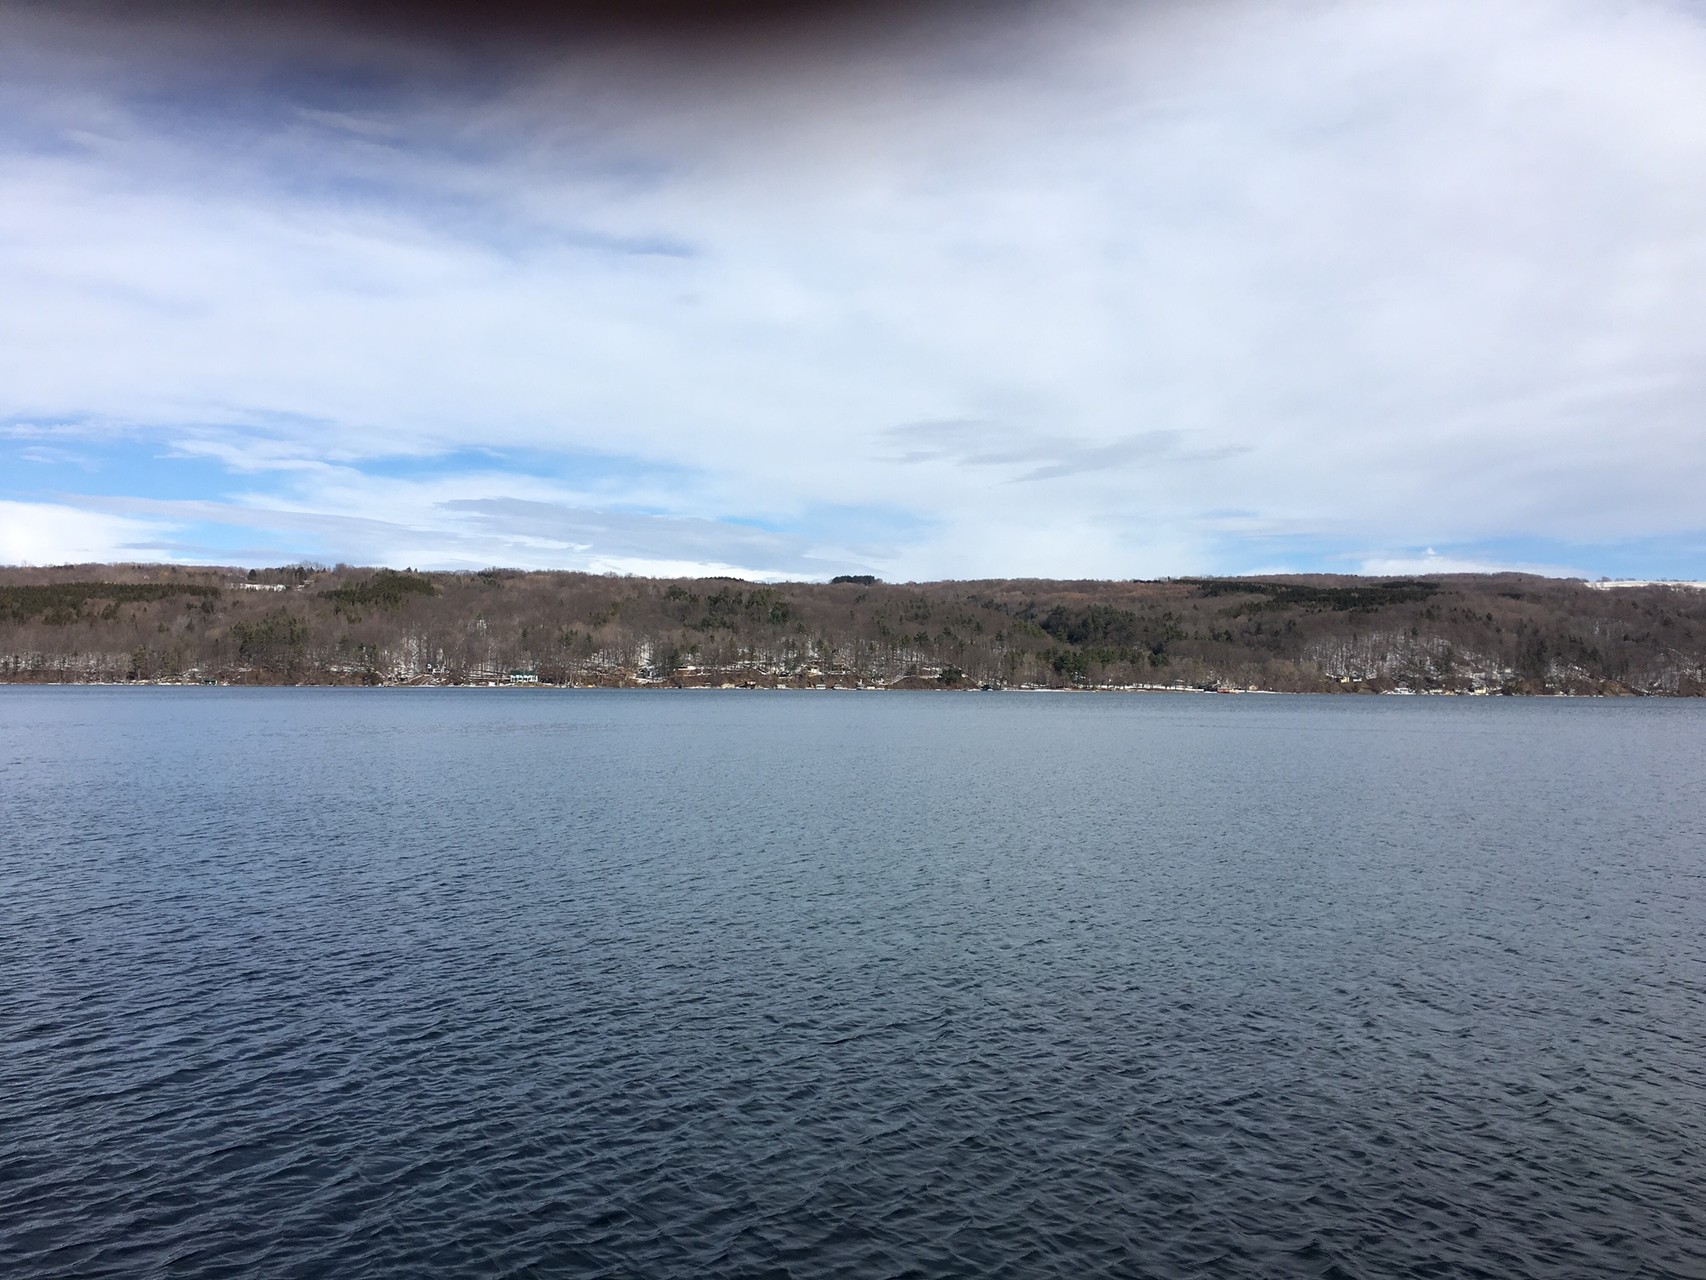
{"points": [[308, 624]]}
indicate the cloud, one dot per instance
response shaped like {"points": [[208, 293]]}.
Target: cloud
{"points": [[471, 518], [1431, 562], [1036, 455], [621, 540], [42, 533], [1375, 276]]}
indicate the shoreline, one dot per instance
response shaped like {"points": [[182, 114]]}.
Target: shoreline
{"points": [[667, 687], [1451, 635]]}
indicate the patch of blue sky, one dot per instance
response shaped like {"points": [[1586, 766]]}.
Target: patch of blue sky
{"points": [[1678, 556], [212, 543], [1675, 556], [47, 467], [582, 469]]}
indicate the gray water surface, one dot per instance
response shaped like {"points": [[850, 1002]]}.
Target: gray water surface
{"points": [[411, 983]]}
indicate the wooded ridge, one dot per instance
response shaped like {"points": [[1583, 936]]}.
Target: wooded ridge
{"points": [[305, 624]]}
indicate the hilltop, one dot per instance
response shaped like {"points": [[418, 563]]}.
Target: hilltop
{"points": [[1504, 633]]}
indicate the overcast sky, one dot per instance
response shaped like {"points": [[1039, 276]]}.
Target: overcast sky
{"points": [[958, 290]]}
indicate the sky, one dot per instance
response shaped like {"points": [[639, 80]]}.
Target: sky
{"points": [[780, 290]]}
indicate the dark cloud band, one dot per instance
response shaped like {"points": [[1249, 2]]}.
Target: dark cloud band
{"points": [[665, 22]]}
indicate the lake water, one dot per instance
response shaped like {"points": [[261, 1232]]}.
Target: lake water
{"points": [[508, 983]]}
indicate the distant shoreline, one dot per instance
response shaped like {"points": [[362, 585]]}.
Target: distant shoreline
{"points": [[664, 687], [1461, 634]]}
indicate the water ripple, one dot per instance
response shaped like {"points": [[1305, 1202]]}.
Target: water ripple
{"points": [[338, 984]]}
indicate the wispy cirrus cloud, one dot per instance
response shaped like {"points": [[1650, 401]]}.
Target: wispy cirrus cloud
{"points": [[1039, 455], [463, 518]]}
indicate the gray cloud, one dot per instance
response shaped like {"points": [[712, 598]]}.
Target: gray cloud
{"points": [[1038, 455]]}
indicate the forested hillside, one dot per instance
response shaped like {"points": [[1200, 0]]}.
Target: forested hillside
{"points": [[306, 624]]}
